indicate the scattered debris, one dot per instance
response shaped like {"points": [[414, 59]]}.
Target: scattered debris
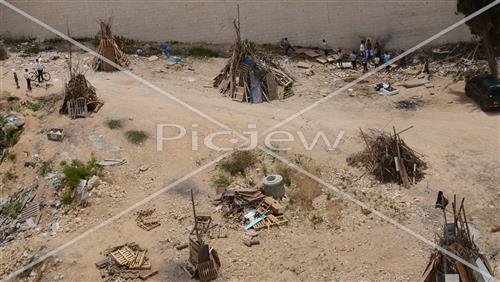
{"points": [[3, 54], [153, 58], [385, 89], [457, 239], [108, 48], [147, 220], [495, 229], [389, 159], [125, 262], [251, 242], [56, 134]]}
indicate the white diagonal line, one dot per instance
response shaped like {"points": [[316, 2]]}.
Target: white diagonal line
{"points": [[127, 72], [370, 73], [114, 218], [352, 199]]}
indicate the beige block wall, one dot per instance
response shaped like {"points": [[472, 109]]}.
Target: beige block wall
{"points": [[400, 24]]}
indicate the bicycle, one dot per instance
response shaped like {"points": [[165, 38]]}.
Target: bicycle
{"points": [[34, 75]]}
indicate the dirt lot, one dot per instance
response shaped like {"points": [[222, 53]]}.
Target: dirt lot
{"points": [[460, 144]]}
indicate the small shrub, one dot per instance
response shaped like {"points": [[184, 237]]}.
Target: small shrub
{"points": [[238, 162], [16, 40], [15, 138], [77, 171], [12, 210], [12, 157], [221, 181], [54, 40], [114, 124], [136, 136], [286, 172], [66, 197], [198, 52], [34, 49], [63, 163], [32, 106], [46, 168], [316, 219]]}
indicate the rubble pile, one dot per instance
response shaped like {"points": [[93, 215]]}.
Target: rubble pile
{"points": [[249, 78], [11, 127], [457, 239], [389, 159], [125, 262], [19, 213], [252, 208], [147, 220]]}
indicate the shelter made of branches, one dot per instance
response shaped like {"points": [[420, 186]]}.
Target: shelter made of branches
{"points": [[249, 78], [456, 237], [389, 159], [109, 49], [79, 97]]}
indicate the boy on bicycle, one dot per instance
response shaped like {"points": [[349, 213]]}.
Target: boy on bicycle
{"points": [[39, 69]]}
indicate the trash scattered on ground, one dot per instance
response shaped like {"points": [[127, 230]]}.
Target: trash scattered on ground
{"points": [[19, 213], [385, 89], [56, 134], [456, 237], [125, 262], [249, 78], [389, 159], [153, 58], [147, 220], [108, 48]]}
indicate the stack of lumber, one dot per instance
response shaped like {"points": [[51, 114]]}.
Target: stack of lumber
{"points": [[389, 159], [248, 78], [457, 239], [108, 48]]}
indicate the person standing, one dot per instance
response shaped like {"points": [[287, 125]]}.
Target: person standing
{"points": [[324, 47], [341, 57], [39, 69], [364, 61], [362, 49], [387, 58], [16, 80], [287, 45], [369, 49], [352, 58], [376, 61], [28, 80]]}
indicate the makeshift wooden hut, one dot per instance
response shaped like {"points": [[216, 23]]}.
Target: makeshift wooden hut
{"points": [[249, 78], [108, 48]]}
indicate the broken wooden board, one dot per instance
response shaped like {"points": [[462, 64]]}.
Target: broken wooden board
{"points": [[322, 60], [312, 53], [304, 65]]}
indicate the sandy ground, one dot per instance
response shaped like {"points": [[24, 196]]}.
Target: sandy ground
{"points": [[459, 141]]}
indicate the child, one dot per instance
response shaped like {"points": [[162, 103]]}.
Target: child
{"points": [[27, 77], [364, 61], [341, 56], [287, 45], [352, 58]]}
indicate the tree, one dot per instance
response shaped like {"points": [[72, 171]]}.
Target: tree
{"points": [[486, 26]]}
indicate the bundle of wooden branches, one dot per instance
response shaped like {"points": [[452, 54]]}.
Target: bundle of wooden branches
{"points": [[79, 89], [108, 48], [248, 78], [389, 159], [457, 239]]}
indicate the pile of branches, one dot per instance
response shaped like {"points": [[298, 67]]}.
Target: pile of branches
{"points": [[79, 87], [108, 48], [389, 159], [249, 78], [457, 239]]}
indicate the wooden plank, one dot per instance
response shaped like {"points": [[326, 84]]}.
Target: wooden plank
{"points": [[272, 89]]}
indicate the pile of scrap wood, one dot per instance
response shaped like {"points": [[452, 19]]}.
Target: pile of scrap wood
{"points": [[80, 97], [249, 78], [125, 262], [251, 207], [108, 48], [389, 159], [204, 262], [3, 54], [147, 220], [457, 239], [19, 213]]}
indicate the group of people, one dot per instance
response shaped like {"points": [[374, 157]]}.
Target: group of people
{"points": [[367, 52], [26, 74]]}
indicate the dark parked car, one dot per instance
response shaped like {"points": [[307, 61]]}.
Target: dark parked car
{"points": [[485, 89]]}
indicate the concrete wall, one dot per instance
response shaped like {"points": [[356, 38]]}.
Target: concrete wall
{"points": [[400, 24]]}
